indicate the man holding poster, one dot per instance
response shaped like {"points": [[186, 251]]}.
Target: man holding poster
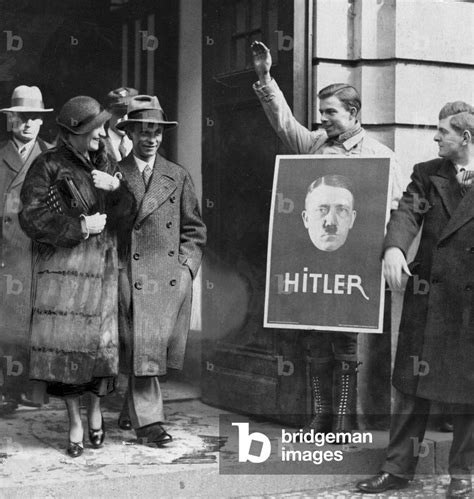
{"points": [[333, 354]]}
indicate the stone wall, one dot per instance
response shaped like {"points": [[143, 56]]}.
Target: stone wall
{"points": [[407, 58]]}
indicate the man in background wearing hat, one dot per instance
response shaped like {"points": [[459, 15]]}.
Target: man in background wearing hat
{"points": [[160, 258], [117, 144], [16, 155]]}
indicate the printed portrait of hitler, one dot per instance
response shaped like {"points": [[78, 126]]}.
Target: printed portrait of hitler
{"points": [[329, 212]]}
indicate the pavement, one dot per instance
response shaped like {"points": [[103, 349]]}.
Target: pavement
{"points": [[202, 460]]}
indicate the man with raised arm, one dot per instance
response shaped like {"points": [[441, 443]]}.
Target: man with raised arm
{"points": [[332, 353]]}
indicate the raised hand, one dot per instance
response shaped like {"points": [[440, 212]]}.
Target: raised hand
{"points": [[262, 61]]}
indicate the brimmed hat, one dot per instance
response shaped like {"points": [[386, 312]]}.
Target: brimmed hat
{"points": [[145, 109], [117, 100], [26, 100], [81, 115]]}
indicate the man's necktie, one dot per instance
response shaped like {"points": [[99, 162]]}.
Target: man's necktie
{"points": [[146, 175], [122, 149], [23, 153], [465, 179]]}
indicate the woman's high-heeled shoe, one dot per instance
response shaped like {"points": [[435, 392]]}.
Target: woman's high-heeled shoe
{"points": [[97, 437], [75, 449]]}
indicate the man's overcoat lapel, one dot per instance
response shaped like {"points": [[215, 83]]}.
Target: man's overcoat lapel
{"points": [[447, 186], [160, 188], [460, 209], [34, 153], [464, 212], [133, 177], [12, 159]]}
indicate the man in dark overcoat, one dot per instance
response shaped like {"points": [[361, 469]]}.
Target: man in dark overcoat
{"points": [[25, 117], [434, 360], [160, 258]]}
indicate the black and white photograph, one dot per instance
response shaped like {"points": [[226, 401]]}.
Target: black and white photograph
{"points": [[236, 248]]}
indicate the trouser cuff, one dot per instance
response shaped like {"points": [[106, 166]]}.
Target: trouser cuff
{"points": [[395, 471]]}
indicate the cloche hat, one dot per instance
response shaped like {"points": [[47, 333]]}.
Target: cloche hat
{"points": [[81, 115]]}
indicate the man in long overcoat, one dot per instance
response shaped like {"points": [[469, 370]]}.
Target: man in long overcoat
{"points": [[16, 156], [434, 360], [160, 259]]}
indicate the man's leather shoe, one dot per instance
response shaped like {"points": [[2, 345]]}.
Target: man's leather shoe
{"points": [[24, 400], [124, 423], [7, 406], [153, 434], [459, 487], [381, 482]]}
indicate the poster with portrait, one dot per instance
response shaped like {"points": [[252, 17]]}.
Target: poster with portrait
{"points": [[327, 225]]}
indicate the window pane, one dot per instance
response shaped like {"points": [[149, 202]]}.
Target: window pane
{"points": [[256, 17], [240, 53], [240, 16]]}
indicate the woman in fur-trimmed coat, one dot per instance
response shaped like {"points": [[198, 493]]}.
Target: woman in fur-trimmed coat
{"points": [[74, 332]]}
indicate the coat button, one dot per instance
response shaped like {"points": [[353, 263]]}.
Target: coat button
{"points": [[173, 282], [171, 253], [137, 226], [172, 199], [7, 220], [168, 225], [138, 285], [136, 256], [468, 288]]}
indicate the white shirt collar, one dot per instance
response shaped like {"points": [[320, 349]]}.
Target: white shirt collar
{"points": [[142, 164], [354, 140], [469, 166]]}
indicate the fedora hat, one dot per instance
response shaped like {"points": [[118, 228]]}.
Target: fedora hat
{"points": [[117, 100], [26, 100], [145, 109], [81, 115]]}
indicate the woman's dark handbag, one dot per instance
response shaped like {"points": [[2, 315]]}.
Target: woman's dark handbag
{"points": [[65, 198]]}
